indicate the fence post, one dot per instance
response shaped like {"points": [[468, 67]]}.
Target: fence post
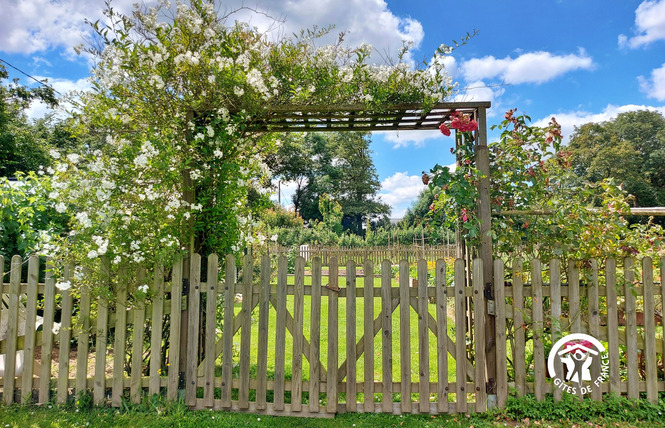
{"points": [[485, 216]]}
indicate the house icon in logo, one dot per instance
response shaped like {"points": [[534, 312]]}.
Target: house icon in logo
{"points": [[578, 357]]}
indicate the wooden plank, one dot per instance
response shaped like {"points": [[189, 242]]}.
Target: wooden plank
{"points": [[47, 336], [333, 337], [612, 326], [245, 332], [30, 330], [83, 339], [121, 307], [194, 300], [441, 335], [387, 337], [298, 311], [101, 337], [9, 380], [262, 345], [479, 336], [351, 400], [174, 332], [405, 337], [555, 304], [519, 356], [280, 332], [315, 337], [661, 270], [460, 336], [368, 318], [631, 330], [138, 334], [574, 312], [594, 324], [501, 336], [227, 352], [156, 331], [210, 330], [423, 337], [538, 328], [649, 331], [65, 337]]}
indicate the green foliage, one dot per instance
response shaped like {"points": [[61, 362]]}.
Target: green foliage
{"points": [[338, 165], [531, 172], [630, 149], [572, 409], [28, 216]]}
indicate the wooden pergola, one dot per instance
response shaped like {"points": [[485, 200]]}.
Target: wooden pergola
{"points": [[399, 117], [409, 117]]}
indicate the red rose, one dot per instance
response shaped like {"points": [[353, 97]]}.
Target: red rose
{"points": [[444, 130]]}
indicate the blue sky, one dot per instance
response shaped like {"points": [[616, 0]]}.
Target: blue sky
{"points": [[578, 60]]}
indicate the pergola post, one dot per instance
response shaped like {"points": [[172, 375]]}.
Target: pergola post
{"points": [[485, 217]]}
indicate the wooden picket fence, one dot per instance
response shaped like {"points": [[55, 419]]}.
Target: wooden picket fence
{"points": [[275, 351], [377, 254], [601, 302]]}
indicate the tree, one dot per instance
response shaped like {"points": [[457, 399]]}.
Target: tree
{"points": [[629, 149], [335, 164], [23, 147], [420, 210]]}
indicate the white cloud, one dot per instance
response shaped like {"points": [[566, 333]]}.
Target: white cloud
{"points": [[570, 120], [368, 21], [38, 109], [400, 190], [532, 67], [655, 86], [30, 26], [649, 24]]}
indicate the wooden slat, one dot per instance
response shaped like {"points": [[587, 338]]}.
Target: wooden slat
{"points": [[9, 380], [479, 336], [174, 332], [500, 327], [280, 332], [315, 337], [519, 357], [138, 334], [661, 270], [83, 339], [101, 338], [368, 318], [405, 337], [29, 331], [331, 389], [210, 330], [423, 336], [441, 335], [387, 337], [262, 345], [193, 312], [298, 312], [631, 331], [120, 339], [574, 312], [594, 325], [460, 336], [65, 336], [612, 326], [47, 337], [538, 328], [649, 331], [227, 352], [555, 304], [245, 332], [351, 400]]}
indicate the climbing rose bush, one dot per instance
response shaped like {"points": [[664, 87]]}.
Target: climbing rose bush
{"points": [[175, 94]]}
